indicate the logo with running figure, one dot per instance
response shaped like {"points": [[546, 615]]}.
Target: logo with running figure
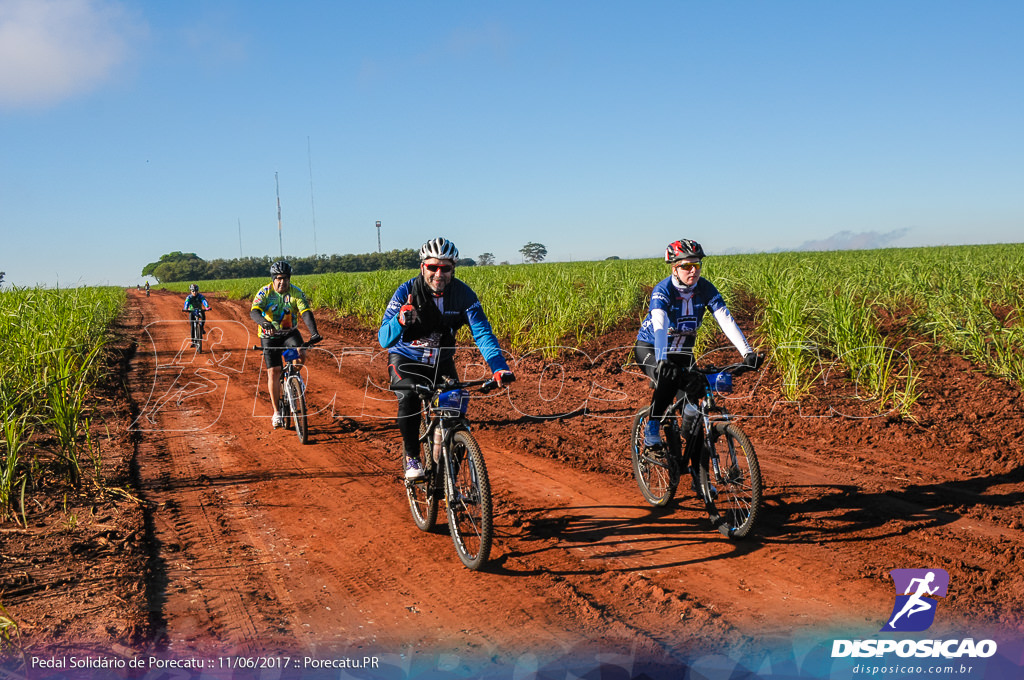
{"points": [[916, 590]]}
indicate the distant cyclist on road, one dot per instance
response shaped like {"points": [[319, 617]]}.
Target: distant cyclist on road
{"points": [[275, 310], [419, 331], [147, 288], [196, 304], [664, 345]]}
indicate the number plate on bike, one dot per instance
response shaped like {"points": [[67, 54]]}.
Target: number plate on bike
{"points": [[720, 382], [452, 400], [290, 354]]}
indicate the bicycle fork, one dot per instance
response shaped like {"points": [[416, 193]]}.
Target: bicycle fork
{"points": [[284, 404], [700, 443]]}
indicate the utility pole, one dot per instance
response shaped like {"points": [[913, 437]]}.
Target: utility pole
{"points": [[280, 239], [309, 154], [378, 237]]}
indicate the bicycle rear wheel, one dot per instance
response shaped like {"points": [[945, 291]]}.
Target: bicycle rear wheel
{"points": [[730, 466], [423, 499], [469, 500], [297, 404], [656, 474], [197, 336]]}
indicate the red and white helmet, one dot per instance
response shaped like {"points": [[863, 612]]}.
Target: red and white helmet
{"points": [[683, 249]]}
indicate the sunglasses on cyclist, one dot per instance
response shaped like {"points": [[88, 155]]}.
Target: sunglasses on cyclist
{"points": [[443, 268], [282, 278], [687, 266]]}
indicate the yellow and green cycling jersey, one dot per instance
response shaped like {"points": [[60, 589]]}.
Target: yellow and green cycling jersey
{"points": [[283, 311]]}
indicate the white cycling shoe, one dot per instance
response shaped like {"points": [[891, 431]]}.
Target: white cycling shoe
{"points": [[413, 469]]}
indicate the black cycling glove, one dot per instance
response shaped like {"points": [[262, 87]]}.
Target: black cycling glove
{"points": [[667, 371]]}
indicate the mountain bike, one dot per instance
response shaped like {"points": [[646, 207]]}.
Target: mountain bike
{"points": [[453, 470], [196, 322], [292, 403], [717, 456]]}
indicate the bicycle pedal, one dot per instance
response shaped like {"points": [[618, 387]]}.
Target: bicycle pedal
{"points": [[656, 454]]}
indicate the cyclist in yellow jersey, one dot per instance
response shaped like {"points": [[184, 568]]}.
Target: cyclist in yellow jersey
{"points": [[275, 310]]}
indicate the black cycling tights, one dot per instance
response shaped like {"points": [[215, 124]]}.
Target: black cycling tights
{"points": [[404, 374], [665, 392]]}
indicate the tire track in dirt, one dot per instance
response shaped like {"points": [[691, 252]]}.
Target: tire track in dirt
{"points": [[192, 513], [322, 555]]}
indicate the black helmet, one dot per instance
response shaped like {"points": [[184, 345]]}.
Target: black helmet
{"points": [[281, 268], [193, 289], [683, 249]]}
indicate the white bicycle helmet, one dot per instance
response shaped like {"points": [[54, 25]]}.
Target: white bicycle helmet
{"points": [[439, 248]]}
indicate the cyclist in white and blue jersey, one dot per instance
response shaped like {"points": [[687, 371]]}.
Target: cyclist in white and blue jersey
{"points": [[418, 331], [664, 345]]}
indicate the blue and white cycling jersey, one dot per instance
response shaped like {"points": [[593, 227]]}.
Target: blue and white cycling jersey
{"points": [[675, 315], [458, 306]]}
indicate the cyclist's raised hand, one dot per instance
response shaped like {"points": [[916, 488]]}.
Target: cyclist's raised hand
{"points": [[407, 313], [504, 377]]}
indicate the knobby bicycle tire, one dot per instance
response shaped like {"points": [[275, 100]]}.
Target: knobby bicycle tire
{"points": [[297, 404], [735, 503], [197, 336], [468, 500], [423, 498], [656, 475]]}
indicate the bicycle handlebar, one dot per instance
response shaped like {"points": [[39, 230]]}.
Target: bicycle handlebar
{"points": [[738, 368], [734, 369], [485, 385], [281, 333]]}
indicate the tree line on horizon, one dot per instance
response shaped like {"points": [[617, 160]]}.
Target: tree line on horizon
{"points": [[179, 266]]}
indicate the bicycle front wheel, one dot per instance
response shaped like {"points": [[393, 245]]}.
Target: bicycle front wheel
{"points": [[656, 473], [423, 500], [469, 500], [197, 336], [730, 479], [297, 404]]}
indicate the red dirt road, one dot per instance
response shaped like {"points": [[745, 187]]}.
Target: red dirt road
{"points": [[262, 545]]}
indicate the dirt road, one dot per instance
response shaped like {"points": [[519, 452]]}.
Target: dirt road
{"points": [[259, 544]]}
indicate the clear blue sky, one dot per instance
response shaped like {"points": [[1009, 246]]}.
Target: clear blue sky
{"points": [[133, 129]]}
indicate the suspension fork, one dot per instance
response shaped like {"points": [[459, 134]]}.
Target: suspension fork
{"points": [[448, 435]]}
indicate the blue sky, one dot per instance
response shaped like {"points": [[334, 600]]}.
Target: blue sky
{"points": [[133, 129]]}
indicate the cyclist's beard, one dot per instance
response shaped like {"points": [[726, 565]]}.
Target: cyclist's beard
{"points": [[435, 291]]}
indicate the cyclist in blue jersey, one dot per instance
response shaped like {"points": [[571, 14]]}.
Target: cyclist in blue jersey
{"points": [[664, 345], [196, 304], [276, 310], [418, 331]]}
